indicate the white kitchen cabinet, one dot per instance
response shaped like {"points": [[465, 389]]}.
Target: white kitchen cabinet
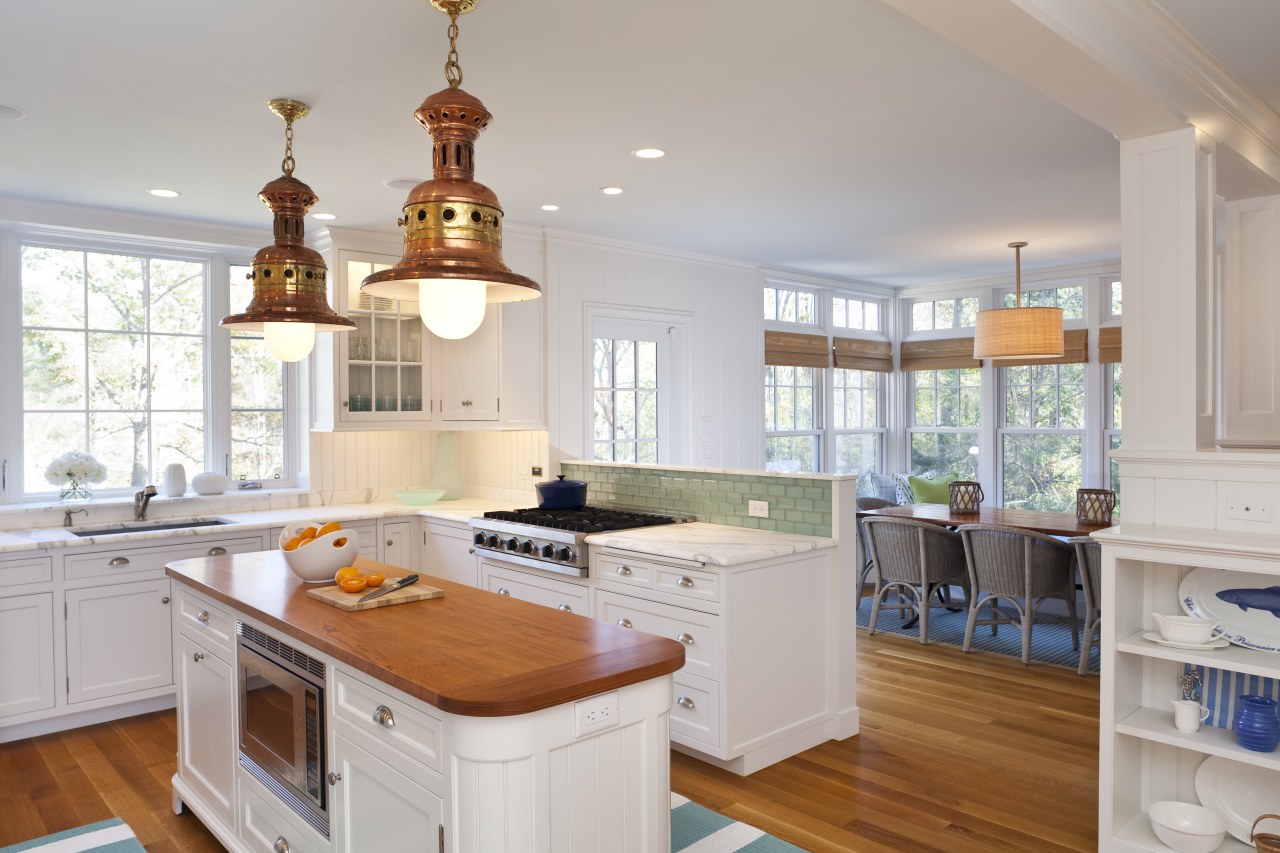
{"points": [[537, 587], [447, 552], [375, 807], [206, 724], [1143, 758], [26, 667], [469, 387], [266, 826], [397, 543], [117, 639]]}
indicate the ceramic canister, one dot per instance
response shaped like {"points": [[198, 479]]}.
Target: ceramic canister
{"points": [[1255, 723], [175, 480]]}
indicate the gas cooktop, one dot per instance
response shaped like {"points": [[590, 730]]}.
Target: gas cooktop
{"points": [[585, 519]]}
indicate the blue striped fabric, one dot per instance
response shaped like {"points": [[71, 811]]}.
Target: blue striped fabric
{"points": [[1221, 687], [695, 829], [107, 836]]}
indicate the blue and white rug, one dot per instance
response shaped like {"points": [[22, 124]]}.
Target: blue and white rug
{"points": [[695, 829], [1050, 637], [107, 836]]}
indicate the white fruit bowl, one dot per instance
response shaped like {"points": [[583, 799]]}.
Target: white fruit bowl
{"points": [[1187, 828], [319, 559]]}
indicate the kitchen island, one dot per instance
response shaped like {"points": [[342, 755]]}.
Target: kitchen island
{"points": [[487, 723]]}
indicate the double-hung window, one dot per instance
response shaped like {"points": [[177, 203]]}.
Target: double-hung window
{"points": [[946, 416], [1042, 436]]}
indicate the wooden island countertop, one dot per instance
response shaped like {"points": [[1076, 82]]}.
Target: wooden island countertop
{"points": [[470, 652]]}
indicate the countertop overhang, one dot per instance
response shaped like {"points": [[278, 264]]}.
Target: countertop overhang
{"points": [[471, 652]]}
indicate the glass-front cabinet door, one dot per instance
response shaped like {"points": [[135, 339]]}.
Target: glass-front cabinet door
{"points": [[386, 375]]}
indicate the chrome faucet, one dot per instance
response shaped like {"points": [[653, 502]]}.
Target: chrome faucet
{"points": [[140, 501], [66, 516]]}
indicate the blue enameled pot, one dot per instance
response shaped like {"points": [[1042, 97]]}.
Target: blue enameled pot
{"points": [[1255, 723], [562, 494]]}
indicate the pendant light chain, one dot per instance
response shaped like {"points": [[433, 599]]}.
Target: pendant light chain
{"points": [[288, 162], [452, 70]]}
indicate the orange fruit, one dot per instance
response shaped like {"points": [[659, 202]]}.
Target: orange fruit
{"points": [[292, 543], [329, 528], [308, 533], [352, 584], [306, 540], [375, 579], [345, 573], [340, 541]]}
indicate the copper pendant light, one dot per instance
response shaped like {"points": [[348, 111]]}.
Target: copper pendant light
{"points": [[1022, 332], [452, 263], [290, 281]]}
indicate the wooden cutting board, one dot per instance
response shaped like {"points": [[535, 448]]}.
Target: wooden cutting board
{"points": [[351, 600]]}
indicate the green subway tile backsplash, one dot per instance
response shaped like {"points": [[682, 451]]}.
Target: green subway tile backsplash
{"points": [[796, 505]]}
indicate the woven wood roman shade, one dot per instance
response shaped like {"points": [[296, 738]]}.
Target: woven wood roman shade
{"points": [[1075, 350], [796, 350], [1109, 344], [938, 354], [859, 354]]}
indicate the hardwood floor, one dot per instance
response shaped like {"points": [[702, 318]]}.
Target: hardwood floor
{"points": [[957, 753]]}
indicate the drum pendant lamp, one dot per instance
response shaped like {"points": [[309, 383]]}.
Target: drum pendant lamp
{"points": [[1021, 332]]}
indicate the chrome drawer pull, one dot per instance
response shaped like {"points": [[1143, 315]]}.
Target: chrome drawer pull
{"points": [[164, 600], [203, 616], [281, 845], [685, 581], [197, 656], [217, 551], [624, 622], [566, 608], [687, 639], [119, 561], [625, 571], [502, 590], [685, 702], [382, 716], [334, 778]]}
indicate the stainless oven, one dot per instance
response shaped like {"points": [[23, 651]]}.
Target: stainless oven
{"points": [[282, 722]]}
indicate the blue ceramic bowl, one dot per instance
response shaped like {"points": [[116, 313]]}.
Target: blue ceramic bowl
{"points": [[1255, 723]]}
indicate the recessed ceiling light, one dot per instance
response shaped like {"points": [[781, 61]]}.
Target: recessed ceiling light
{"points": [[401, 183], [161, 193], [10, 113], [649, 153], [611, 190], [324, 216], [551, 207]]}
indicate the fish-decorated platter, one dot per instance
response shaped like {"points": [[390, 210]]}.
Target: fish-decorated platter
{"points": [[1249, 603]]}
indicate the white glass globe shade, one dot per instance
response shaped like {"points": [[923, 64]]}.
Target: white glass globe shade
{"points": [[451, 308], [290, 341]]}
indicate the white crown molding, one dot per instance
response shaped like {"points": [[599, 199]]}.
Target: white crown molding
{"points": [[572, 237], [1070, 274], [56, 218]]}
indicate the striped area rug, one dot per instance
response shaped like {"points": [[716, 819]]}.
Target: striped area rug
{"points": [[107, 836], [695, 829], [1050, 638]]}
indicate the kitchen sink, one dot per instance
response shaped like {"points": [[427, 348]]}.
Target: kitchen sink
{"points": [[147, 526]]}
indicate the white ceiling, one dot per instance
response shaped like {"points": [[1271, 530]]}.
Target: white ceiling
{"points": [[832, 137]]}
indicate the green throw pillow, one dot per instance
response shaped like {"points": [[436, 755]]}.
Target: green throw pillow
{"points": [[935, 491]]}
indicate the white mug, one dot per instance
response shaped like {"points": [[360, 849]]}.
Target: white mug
{"points": [[1188, 714]]}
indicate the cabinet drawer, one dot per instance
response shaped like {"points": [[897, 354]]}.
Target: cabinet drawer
{"points": [[368, 533], [264, 822], [210, 626], [129, 559], [24, 572], [682, 579], [549, 592], [700, 632], [637, 573], [404, 729], [695, 710], [689, 583]]}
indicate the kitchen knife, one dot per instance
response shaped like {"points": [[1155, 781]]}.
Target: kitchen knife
{"points": [[404, 581]]}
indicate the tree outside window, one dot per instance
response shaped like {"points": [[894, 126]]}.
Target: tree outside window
{"points": [[1043, 436], [856, 421], [946, 417], [791, 415]]}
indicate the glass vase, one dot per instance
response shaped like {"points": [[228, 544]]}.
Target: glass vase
{"points": [[74, 492]]}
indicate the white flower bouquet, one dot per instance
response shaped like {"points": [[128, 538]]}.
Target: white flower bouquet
{"points": [[74, 471]]}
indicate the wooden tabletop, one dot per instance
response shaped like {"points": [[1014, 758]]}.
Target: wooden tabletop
{"points": [[1051, 523], [470, 652]]}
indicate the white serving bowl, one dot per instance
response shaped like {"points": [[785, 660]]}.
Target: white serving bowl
{"points": [[1187, 828], [1186, 629], [320, 559]]}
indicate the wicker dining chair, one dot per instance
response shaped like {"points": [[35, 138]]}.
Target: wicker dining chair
{"points": [[864, 569], [1089, 559], [916, 559], [1022, 567]]}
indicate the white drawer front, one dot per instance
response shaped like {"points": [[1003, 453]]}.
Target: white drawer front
{"points": [[549, 592], [263, 823], [128, 559], [699, 632], [406, 730], [690, 583], [210, 626], [24, 572], [637, 573], [695, 710]]}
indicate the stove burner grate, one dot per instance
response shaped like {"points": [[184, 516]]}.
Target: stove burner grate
{"points": [[585, 520]]}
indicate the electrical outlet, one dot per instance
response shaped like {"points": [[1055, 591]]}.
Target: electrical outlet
{"points": [[597, 713], [1249, 509], [535, 471], [758, 509]]}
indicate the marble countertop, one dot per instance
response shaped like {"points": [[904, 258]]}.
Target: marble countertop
{"points": [[713, 544]]}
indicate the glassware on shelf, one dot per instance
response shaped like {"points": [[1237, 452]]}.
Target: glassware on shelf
{"points": [[361, 403], [358, 347], [411, 403], [386, 402]]}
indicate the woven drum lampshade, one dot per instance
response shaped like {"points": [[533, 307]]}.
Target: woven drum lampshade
{"points": [[1018, 332]]}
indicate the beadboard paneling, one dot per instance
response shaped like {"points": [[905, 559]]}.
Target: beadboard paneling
{"points": [[372, 464], [497, 464]]}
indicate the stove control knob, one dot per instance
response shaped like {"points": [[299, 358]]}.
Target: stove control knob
{"points": [[513, 543], [549, 552], [564, 555], [493, 541], [526, 547], [480, 539]]}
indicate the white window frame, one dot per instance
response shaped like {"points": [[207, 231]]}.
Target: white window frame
{"points": [[818, 430], [1003, 428], [933, 300], [879, 431], [218, 261]]}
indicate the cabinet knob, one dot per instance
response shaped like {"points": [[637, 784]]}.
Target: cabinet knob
{"points": [[164, 600], [345, 404], [687, 639], [625, 571], [683, 702], [566, 608], [217, 551], [203, 616], [390, 542], [471, 550], [685, 581], [624, 622], [197, 656], [382, 716], [334, 778], [281, 845], [502, 590], [119, 561]]}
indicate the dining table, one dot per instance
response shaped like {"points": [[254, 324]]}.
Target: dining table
{"points": [[1040, 521]]}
